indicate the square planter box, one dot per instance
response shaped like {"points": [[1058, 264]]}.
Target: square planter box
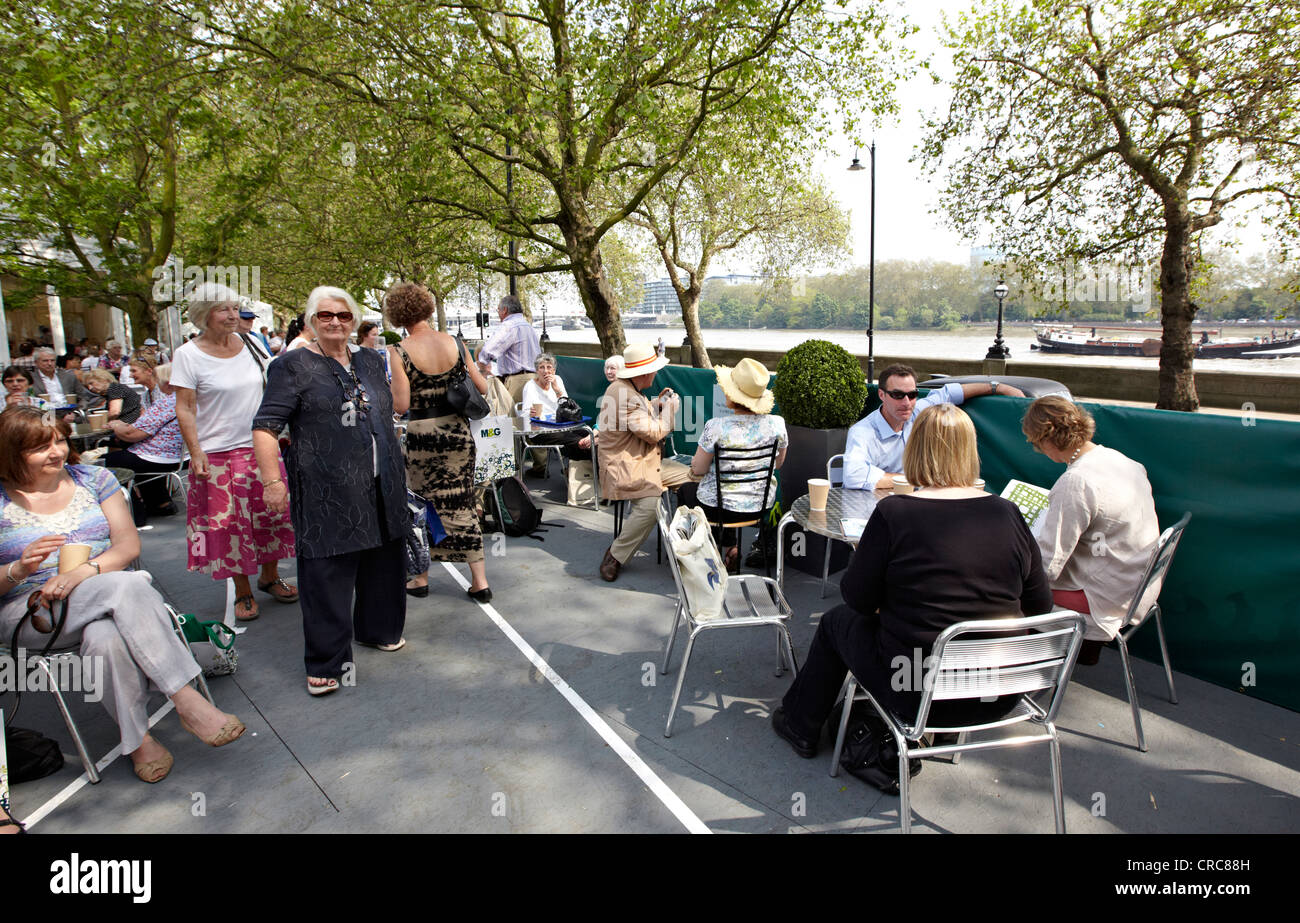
{"points": [[806, 458]]}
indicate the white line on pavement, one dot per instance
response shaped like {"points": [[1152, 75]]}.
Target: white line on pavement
{"points": [[637, 765], [81, 781]]}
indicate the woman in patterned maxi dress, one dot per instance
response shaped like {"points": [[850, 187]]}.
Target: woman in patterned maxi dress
{"points": [[439, 447]]}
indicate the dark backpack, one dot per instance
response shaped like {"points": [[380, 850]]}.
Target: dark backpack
{"points": [[509, 508]]}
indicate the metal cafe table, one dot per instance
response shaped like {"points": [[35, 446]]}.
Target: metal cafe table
{"points": [[841, 503]]}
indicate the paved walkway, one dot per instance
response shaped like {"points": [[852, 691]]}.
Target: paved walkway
{"points": [[461, 731]]}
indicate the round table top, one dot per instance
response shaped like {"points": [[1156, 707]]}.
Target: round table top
{"points": [[841, 503]]}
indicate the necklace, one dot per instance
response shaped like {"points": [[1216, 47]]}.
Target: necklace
{"points": [[1076, 454]]}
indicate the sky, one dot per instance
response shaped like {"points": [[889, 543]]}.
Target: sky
{"points": [[905, 227]]}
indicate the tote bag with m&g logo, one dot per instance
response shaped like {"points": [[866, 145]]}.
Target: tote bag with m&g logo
{"points": [[494, 448]]}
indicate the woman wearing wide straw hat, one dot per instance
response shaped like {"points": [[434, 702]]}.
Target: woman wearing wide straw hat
{"points": [[631, 428], [750, 426]]}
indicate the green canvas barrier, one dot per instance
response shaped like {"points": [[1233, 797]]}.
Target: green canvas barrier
{"points": [[1229, 601]]}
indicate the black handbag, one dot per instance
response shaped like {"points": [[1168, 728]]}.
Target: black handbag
{"points": [[462, 395], [568, 411], [870, 752], [31, 755]]}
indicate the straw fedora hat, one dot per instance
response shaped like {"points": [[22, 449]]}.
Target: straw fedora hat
{"points": [[746, 384], [641, 359]]}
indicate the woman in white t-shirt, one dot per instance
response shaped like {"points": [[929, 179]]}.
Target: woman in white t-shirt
{"points": [[218, 379], [541, 396]]}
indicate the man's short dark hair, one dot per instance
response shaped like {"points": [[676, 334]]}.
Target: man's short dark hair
{"points": [[902, 371], [511, 304]]}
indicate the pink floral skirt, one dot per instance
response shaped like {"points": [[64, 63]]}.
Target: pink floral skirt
{"points": [[229, 530]]}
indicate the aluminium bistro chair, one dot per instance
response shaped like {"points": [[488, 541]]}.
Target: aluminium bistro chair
{"points": [[1161, 559], [59, 665], [837, 480], [172, 477], [1029, 664], [751, 601], [746, 466]]}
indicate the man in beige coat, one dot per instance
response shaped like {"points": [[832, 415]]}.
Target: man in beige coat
{"points": [[631, 428]]}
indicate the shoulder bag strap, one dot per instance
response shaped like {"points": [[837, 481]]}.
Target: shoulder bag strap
{"points": [[257, 356]]}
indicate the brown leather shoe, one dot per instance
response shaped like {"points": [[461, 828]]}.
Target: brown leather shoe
{"points": [[610, 567]]}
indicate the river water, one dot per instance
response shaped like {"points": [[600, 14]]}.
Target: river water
{"points": [[968, 343]]}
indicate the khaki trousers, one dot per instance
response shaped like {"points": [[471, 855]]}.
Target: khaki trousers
{"points": [[638, 522]]}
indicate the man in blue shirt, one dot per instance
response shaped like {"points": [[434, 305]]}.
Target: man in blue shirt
{"points": [[874, 454]]}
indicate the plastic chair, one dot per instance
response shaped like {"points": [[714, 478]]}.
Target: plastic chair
{"points": [[745, 466], [750, 601], [1161, 558], [1037, 659]]}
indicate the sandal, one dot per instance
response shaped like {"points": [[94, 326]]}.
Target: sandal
{"points": [[329, 685], [8, 821], [387, 648], [248, 603], [287, 595], [231, 730], [155, 770], [731, 560]]}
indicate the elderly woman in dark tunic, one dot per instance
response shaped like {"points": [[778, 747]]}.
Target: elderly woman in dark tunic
{"points": [[348, 484]]}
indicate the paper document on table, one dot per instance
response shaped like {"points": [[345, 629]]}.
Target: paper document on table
{"points": [[1032, 501], [852, 528]]}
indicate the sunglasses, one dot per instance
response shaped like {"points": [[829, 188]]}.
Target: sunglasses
{"points": [[343, 317], [900, 395]]}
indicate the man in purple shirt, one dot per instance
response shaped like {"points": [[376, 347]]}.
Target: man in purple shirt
{"points": [[514, 347]]}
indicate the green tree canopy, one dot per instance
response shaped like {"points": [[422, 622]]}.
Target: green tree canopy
{"points": [[590, 104], [1122, 129]]}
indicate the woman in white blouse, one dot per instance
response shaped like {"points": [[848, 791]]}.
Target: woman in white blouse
{"points": [[540, 398], [1100, 527]]}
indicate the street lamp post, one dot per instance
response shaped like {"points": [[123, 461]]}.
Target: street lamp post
{"points": [[999, 349], [871, 265]]}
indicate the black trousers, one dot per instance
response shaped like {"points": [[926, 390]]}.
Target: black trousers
{"points": [[326, 587], [845, 639], [155, 493]]}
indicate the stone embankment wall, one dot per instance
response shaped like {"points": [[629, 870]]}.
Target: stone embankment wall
{"points": [[1274, 393]]}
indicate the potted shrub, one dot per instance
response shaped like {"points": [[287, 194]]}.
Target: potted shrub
{"points": [[820, 389]]}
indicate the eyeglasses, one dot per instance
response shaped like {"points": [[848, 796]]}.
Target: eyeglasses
{"points": [[343, 317], [902, 395]]}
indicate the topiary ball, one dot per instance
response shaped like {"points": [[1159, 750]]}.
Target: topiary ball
{"points": [[820, 386]]}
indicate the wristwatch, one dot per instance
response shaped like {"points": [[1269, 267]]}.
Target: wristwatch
{"points": [[994, 386], [98, 569]]}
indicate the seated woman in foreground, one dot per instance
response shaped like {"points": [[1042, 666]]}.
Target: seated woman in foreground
{"points": [[116, 616], [751, 426], [1100, 527], [946, 553]]}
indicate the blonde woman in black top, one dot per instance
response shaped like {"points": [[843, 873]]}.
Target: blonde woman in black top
{"points": [[946, 553]]}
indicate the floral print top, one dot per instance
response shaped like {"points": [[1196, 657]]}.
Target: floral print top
{"points": [[82, 520], [741, 431]]}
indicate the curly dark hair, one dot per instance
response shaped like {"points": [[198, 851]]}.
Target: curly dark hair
{"points": [[408, 303]]}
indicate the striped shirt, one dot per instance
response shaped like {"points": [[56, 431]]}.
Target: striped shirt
{"points": [[514, 346]]}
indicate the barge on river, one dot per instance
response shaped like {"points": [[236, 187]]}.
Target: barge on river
{"points": [[1125, 341]]}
